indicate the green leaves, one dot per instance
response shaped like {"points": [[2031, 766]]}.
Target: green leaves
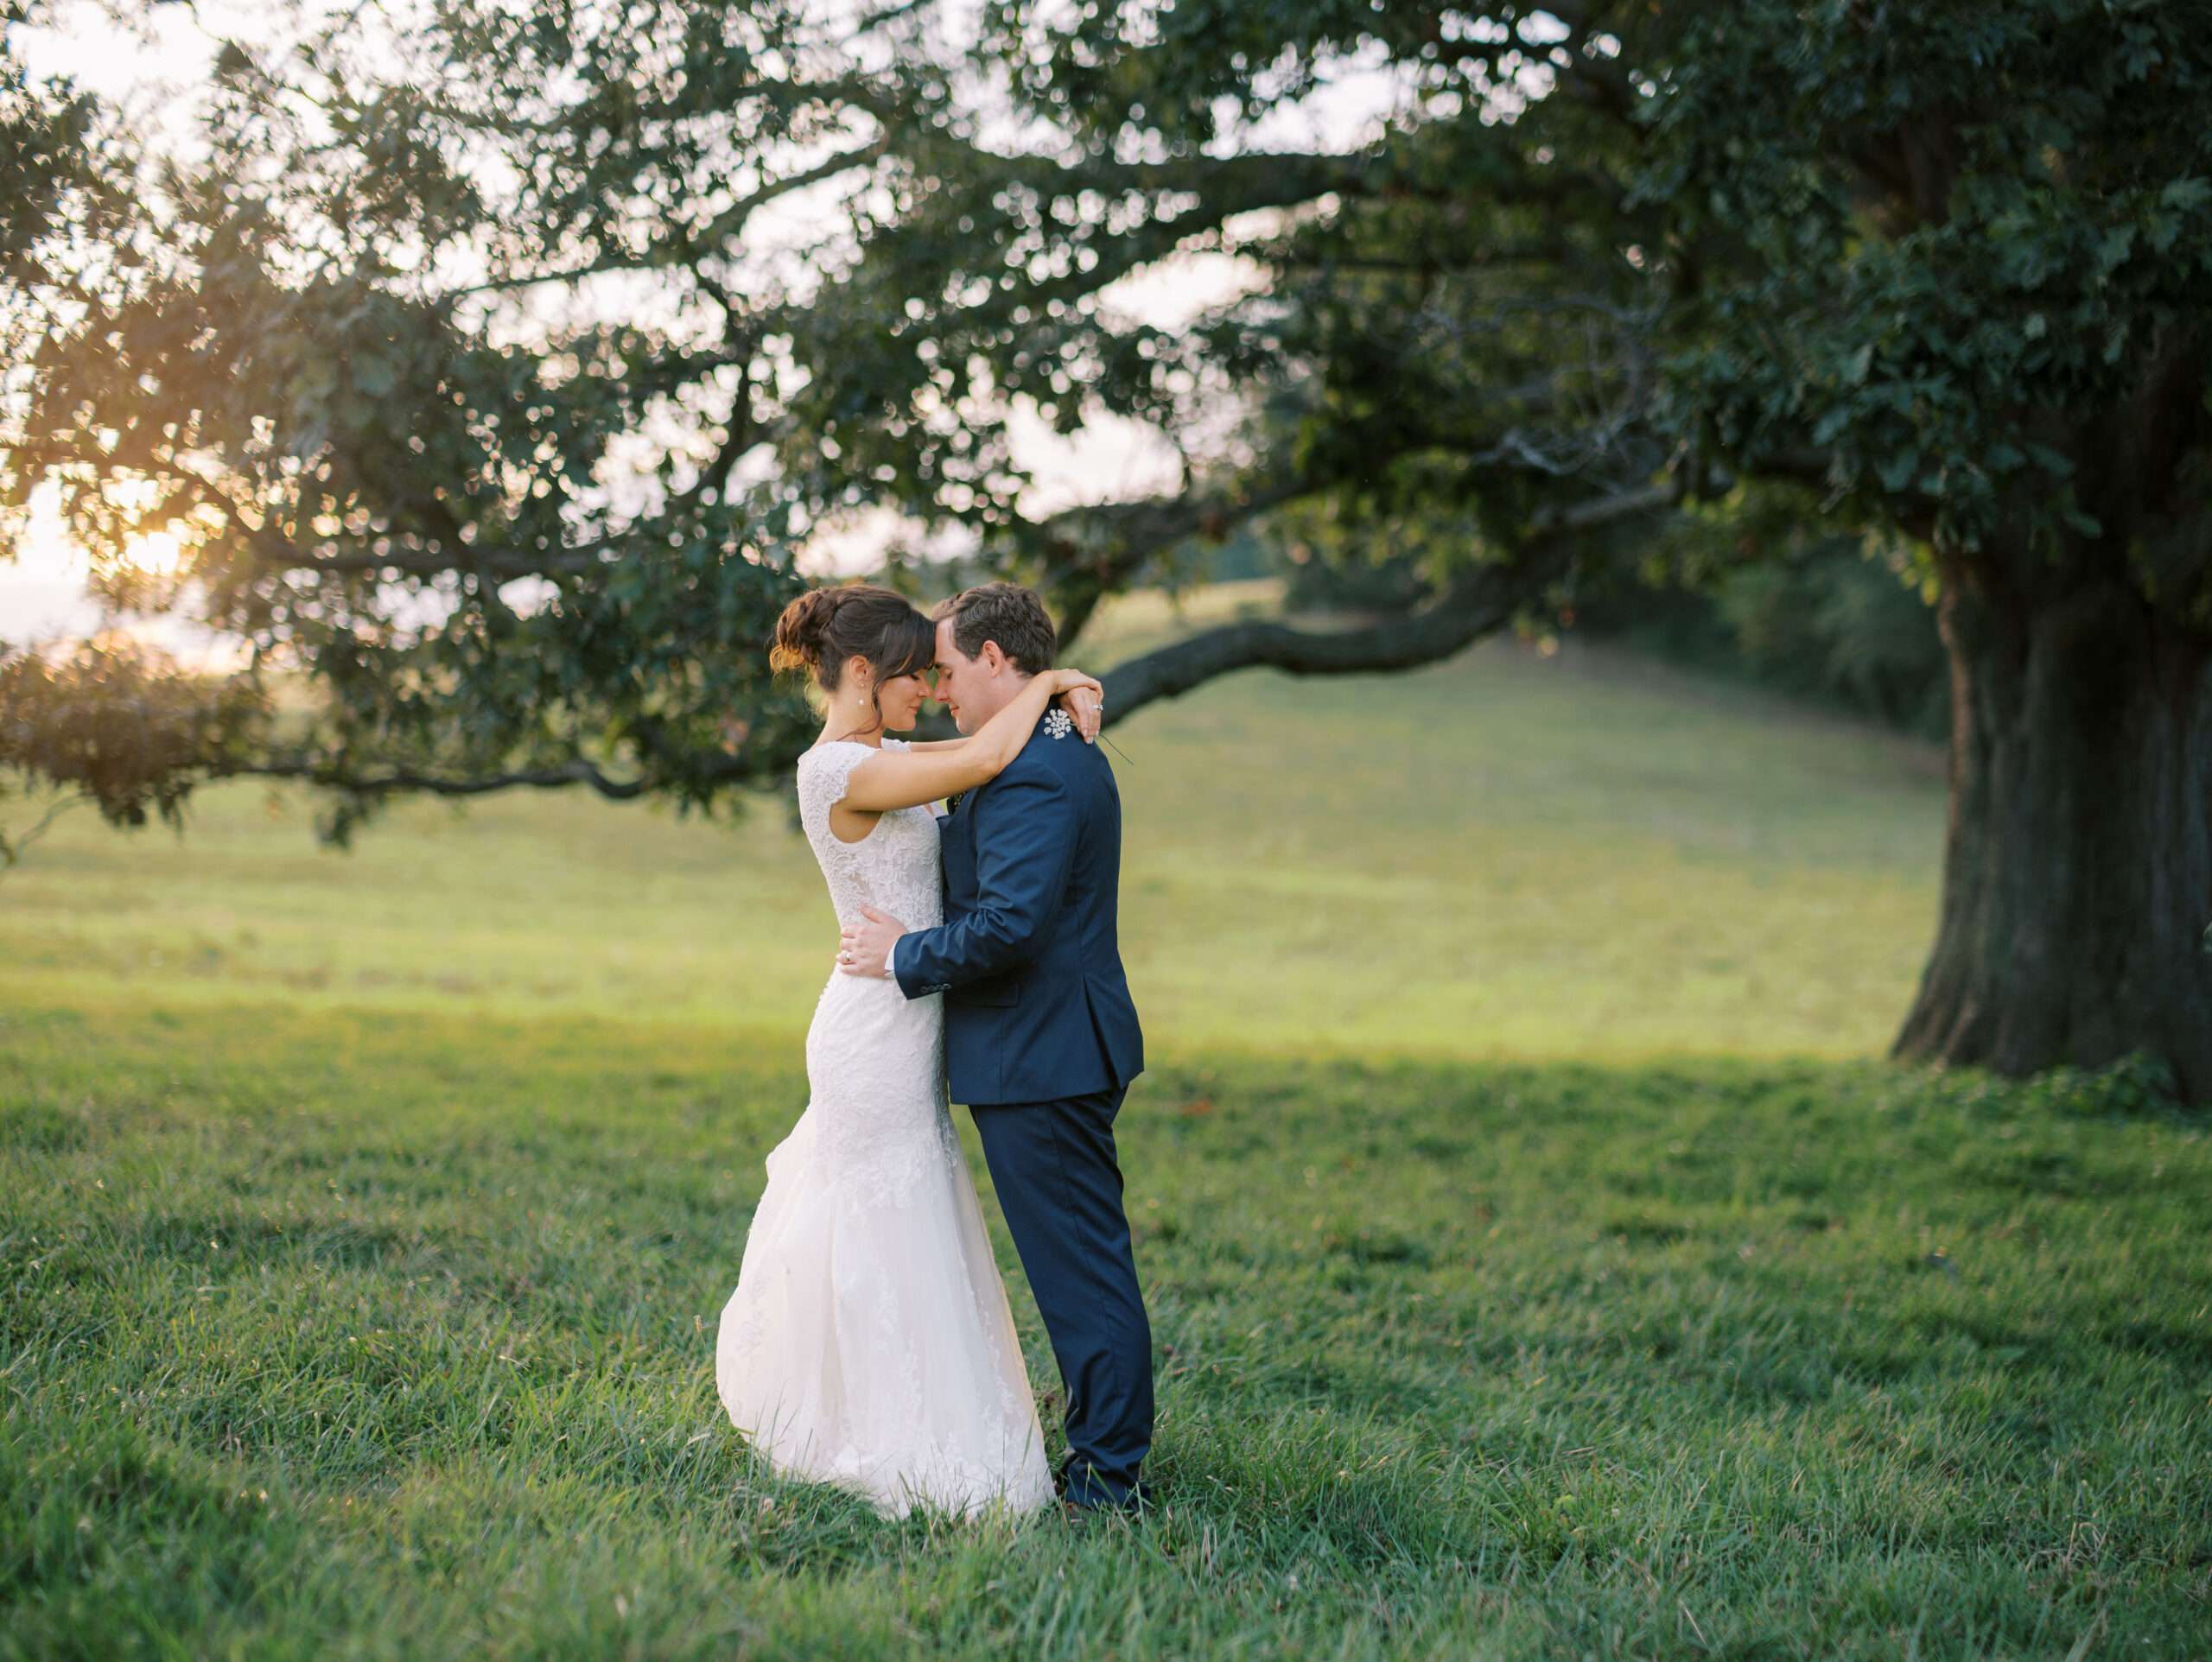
{"points": [[2026, 234], [460, 358], [122, 726]]}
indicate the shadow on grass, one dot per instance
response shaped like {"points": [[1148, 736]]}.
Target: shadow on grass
{"points": [[1450, 1356]]}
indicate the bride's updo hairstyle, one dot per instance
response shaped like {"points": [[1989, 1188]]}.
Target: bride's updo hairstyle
{"points": [[825, 628]]}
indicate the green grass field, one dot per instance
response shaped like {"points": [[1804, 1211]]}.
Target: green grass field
{"points": [[1539, 1262], [1504, 856]]}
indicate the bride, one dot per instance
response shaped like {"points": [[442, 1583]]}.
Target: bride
{"points": [[869, 1343]]}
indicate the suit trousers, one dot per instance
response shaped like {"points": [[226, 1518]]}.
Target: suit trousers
{"points": [[1052, 1166]]}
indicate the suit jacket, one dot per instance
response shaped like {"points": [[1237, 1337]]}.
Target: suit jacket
{"points": [[1029, 958]]}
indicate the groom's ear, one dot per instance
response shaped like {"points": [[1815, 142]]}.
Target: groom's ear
{"points": [[991, 657]]}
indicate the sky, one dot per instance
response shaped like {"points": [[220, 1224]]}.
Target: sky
{"points": [[42, 589]]}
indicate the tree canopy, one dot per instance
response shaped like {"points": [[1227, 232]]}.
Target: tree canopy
{"points": [[493, 365]]}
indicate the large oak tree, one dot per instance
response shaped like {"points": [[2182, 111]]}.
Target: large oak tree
{"points": [[466, 371]]}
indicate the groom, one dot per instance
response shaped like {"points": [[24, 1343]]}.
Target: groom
{"points": [[1041, 1040]]}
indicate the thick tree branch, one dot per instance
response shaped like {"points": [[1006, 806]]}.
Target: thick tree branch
{"points": [[683, 247], [718, 770], [441, 785], [1130, 533], [275, 552], [1550, 250], [1481, 600]]}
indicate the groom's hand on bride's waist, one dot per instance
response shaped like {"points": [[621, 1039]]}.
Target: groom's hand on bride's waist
{"points": [[865, 949]]}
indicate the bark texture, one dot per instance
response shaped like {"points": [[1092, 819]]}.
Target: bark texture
{"points": [[2077, 880]]}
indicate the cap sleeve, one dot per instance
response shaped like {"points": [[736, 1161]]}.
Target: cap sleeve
{"points": [[823, 773]]}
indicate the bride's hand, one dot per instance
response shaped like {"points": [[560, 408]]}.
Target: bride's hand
{"points": [[1085, 699]]}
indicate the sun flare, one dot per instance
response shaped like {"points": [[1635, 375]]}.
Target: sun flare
{"points": [[155, 553]]}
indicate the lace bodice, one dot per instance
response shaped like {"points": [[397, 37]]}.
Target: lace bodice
{"points": [[895, 868]]}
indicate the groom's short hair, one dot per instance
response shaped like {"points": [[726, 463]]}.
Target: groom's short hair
{"points": [[1007, 613]]}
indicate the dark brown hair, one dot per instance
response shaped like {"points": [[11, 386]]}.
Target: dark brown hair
{"points": [[1007, 613], [825, 627]]}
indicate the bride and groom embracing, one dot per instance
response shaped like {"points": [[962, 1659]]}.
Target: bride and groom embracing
{"points": [[869, 1341]]}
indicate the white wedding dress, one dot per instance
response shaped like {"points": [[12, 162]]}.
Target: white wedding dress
{"points": [[869, 1343]]}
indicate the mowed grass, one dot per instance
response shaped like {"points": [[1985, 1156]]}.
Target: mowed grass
{"points": [[1539, 1263], [1505, 855], [391, 1335]]}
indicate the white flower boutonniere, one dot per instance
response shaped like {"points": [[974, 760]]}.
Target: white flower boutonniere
{"points": [[1059, 724]]}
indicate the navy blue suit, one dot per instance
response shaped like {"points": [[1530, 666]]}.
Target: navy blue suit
{"points": [[1041, 1042]]}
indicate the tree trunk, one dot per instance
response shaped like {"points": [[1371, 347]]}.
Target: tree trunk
{"points": [[2077, 868]]}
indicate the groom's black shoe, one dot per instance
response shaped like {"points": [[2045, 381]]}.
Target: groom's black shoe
{"points": [[1096, 1496]]}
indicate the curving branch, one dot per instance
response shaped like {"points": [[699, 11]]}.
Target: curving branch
{"points": [[1481, 600], [441, 785], [1130, 533], [722, 769], [717, 235], [1473, 608]]}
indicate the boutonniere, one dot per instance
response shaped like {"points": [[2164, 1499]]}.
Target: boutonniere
{"points": [[952, 802], [1059, 724]]}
